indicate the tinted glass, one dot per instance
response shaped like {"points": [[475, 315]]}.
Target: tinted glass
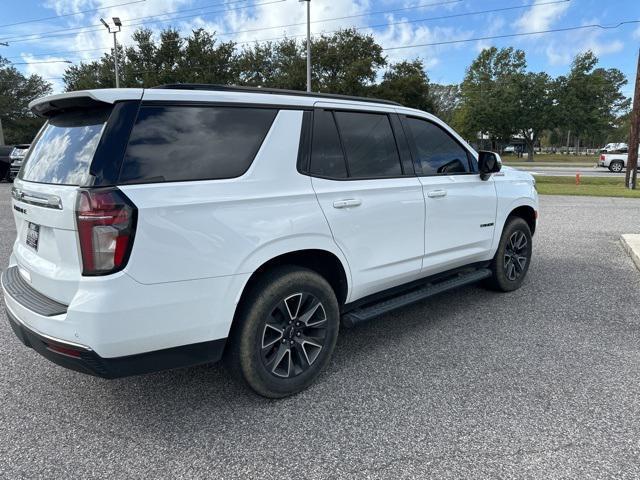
{"points": [[438, 153], [64, 148], [369, 145], [177, 143], [327, 159]]}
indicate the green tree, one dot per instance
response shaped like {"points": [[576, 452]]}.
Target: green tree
{"points": [[590, 99], [345, 62], [407, 83], [535, 107], [279, 64], [446, 99], [489, 95], [16, 91]]}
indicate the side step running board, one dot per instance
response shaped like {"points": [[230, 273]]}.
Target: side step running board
{"points": [[371, 311]]}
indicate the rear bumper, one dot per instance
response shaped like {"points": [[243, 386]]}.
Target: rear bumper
{"points": [[83, 359], [43, 325]]}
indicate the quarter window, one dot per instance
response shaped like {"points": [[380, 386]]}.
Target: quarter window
{"points": [[369, 145], [327, 159], [177, 143], [437, 151]]}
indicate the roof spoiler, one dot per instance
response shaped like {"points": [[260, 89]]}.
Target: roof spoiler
{"points": [[52, 104]]}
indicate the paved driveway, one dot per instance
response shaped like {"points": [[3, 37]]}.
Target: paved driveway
{"points": [[543, 383]]}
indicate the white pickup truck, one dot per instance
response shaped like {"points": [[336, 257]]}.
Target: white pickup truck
{"points": [[615, 162]]}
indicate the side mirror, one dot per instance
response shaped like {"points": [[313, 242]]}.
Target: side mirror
{"points": [[488, 163]]}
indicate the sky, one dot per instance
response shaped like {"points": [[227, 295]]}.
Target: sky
{"points": [[45, 34]]}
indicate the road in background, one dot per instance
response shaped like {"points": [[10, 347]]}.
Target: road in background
{"points": [[569, 171], [539, 383]]}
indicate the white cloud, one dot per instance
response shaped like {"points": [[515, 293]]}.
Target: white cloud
{"points": [[541, 17], [403, 34], [561, 50], [496, 26], [47, 70]]}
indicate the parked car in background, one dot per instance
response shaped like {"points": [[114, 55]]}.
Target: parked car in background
{"points": [[615, 148], [291, 215], [5, 161], [17, 157], [615, 162]]}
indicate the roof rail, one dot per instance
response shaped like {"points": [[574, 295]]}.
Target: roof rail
{"points": [[274, 91]]}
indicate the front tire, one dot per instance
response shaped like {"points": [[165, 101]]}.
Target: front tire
{"points": [[285, 332], [511, 262]]}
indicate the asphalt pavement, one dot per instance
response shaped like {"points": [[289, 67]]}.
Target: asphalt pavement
{"points": [[543, 382]]}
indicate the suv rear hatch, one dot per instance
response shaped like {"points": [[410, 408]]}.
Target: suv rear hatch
{"points": [[45, 194]]}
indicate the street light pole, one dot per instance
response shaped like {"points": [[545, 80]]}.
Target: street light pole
{"points": [[114, 31], [308, 43]]}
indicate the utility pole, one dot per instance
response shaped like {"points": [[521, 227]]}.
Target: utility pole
{"points": [[308, 2], [632, 159], [116, 29]]}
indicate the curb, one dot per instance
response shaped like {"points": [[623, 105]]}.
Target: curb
{"points": [[631, 244]]}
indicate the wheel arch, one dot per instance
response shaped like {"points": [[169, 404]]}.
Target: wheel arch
{"points": [[527, 213], [325, 263], [322, 261]]}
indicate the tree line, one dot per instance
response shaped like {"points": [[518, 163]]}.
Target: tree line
{"points": [[497, 100]]}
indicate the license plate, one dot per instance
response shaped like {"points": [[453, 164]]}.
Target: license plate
{"points": [[33, 235]]}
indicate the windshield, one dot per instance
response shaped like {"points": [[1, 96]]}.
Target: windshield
{"points": [[63, 150]]}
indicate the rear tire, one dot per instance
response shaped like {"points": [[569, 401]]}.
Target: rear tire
{"points": [[511, 262], [285, 332], [616, 166]]}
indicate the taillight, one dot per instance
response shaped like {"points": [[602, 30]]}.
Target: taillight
{"points": [[106, 221], [602, 157]]}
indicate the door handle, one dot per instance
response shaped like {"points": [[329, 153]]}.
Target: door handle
{"points": [[346, 203], [437, 193]]}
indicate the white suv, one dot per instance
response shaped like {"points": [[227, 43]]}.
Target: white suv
{"points": [[184, 224]]}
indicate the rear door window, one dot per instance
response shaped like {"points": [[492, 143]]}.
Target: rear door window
{"points": [[64, 149], [369, 145], [179, 143]]}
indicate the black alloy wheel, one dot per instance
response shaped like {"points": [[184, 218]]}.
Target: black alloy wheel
{"points": [[294, 335], [516, 255]]}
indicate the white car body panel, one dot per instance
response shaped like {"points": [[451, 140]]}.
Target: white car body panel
{"points": [[459, 227], [382, 235]]}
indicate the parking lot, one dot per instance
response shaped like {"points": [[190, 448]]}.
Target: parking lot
{"points": [[543, 382]]}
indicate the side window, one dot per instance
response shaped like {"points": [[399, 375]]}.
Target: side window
{"points": [[178, 143], [369, 145], [438, 153], [327, 159]]}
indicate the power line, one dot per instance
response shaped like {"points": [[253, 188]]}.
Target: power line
{"points": [[519, 34], [401, 22], [368, 14], [36, 20], [94, 27]]}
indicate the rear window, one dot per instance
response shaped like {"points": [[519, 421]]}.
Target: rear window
{"points": [[64, 148], [179, 143]]}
